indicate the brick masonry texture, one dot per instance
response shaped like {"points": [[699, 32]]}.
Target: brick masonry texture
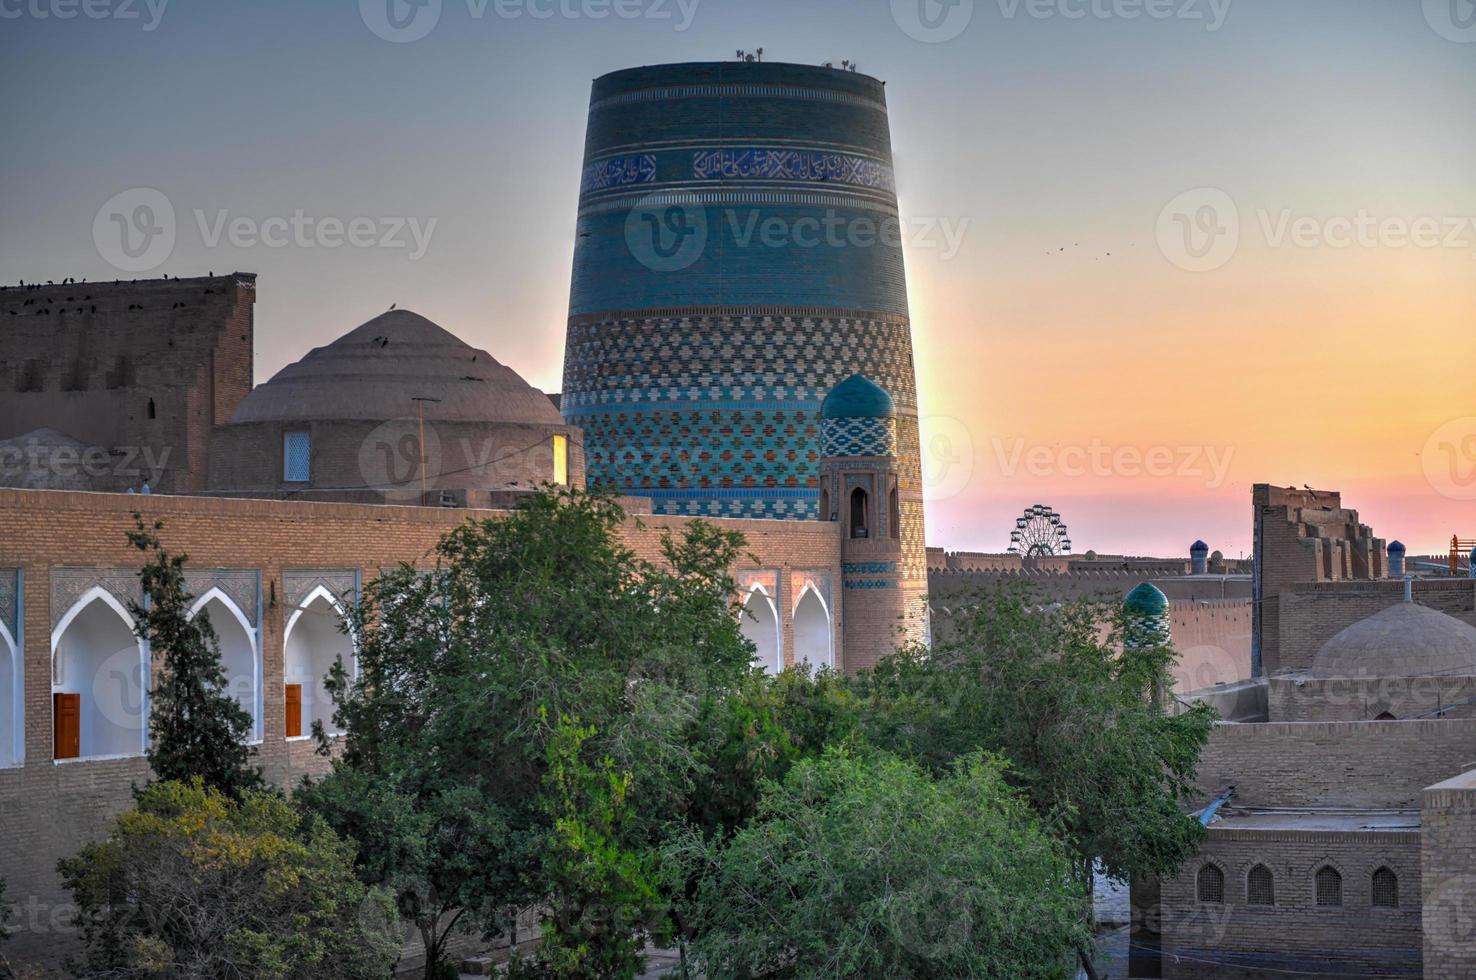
{"points": [[1377, 764], [50, 808], [88, 359], [1295, 934], [1448, 877]]}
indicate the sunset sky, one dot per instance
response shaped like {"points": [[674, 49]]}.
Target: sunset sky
{"points": [[1075, 344]]}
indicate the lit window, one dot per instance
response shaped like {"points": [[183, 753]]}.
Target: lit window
{"points": [[1329, 887], [561, 460], [1211, 884], [295, 446], [1260, 886], [1385, 889]]}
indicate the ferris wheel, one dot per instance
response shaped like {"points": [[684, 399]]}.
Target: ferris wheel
{"points": [[1039, 532]]}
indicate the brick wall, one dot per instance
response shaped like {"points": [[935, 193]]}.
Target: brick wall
{"points": [[1234, 939], [1448, 856], [1310, 614], [87, 359], [1303, 536], [49, 809], [1379, 764], [1363, 699]]}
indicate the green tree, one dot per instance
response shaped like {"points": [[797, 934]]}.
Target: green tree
{"points": [[192, 883], [464, 671], [868, 866], [602, 892], [1088, 741], [196, 727]]}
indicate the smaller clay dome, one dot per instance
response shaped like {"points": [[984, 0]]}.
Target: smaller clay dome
{"points": [[1404, 640], [857, 397]]}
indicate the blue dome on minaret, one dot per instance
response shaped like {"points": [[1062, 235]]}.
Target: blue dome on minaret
{"points": [[1146, 618], [858, 397]]}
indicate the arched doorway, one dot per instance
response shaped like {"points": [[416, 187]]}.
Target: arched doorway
{"points": [[99, 681], [12, 703], [314, 640], [761, 627], [238, 654], [812, 633]]}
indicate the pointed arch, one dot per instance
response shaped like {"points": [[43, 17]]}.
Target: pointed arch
{"points": [[312, 641], [761, 627], [240, 652], [12, 702], [814, 640], [99, 680]]}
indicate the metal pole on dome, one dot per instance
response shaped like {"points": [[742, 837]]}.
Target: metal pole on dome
{"points": [[420, 401]]}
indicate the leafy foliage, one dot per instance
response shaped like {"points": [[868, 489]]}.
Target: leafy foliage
{"points": [[603, 892], [197, 729], [464, 672], [868, 866], [191, 883], [1080, 721]]}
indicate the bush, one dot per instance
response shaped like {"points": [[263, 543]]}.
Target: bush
{"points": [[191, 883], [869, 867]]}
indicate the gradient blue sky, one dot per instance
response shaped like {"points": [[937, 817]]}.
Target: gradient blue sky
{"points": [[1336, 367]]}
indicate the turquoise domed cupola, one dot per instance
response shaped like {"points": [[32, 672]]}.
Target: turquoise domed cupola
{"points": [[858, 418], [1147, 622], [857, 397]]}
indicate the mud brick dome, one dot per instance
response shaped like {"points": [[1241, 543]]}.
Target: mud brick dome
{"points": [[699, 350], [347, 419], [1404, 640]]}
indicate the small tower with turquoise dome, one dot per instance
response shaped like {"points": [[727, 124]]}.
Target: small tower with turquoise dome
{"points": [[1147, 621], [861, 491]]}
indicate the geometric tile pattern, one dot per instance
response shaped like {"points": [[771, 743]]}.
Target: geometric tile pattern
{"points": [[70, 584], [859, 437], [241, 586], [342, 584], [718, 415]]}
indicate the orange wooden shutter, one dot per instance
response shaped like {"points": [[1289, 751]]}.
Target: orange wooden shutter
{"points": [[66, 711], [294, 710]]}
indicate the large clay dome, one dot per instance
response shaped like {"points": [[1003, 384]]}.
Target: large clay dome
{"points": [[379, 369], [1404, 640]]}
